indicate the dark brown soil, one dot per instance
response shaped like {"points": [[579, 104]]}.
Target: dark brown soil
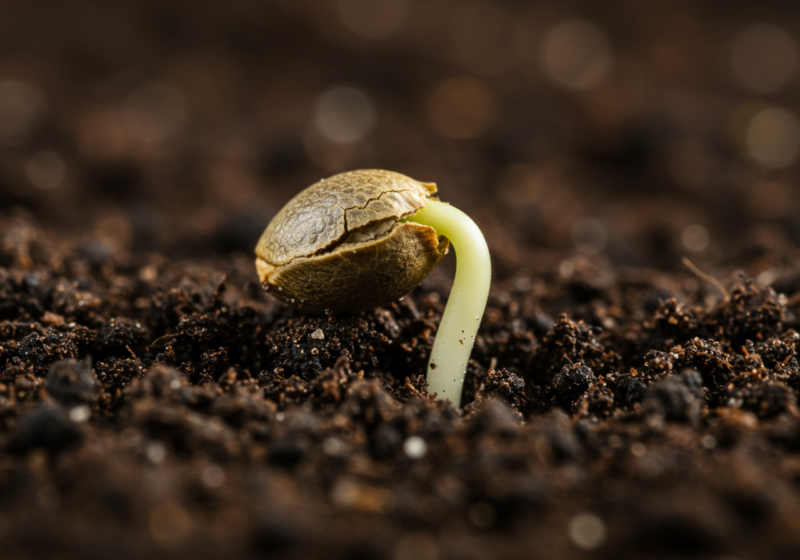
{"points": [[156, 403]]}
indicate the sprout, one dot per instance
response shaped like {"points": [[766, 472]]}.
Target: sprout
{"points": [[462, 316], [365, 238]]}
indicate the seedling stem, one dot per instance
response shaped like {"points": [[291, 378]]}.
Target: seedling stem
{"points": [[467, 302]]}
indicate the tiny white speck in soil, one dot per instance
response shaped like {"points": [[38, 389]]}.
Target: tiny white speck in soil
{"points": [[80, 414], [415, 447]]}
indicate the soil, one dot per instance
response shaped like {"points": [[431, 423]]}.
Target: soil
{"points": [[156, 403]]}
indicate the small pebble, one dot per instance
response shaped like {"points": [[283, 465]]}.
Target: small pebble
{"points": [[318, 334]]}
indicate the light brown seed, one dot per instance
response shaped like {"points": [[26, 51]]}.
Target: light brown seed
{"points": [[339, 245]]}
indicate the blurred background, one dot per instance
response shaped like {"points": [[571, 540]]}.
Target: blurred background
{"points": [[633, 132]]}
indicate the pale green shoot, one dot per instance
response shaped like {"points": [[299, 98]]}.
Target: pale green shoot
{"points": [[467, 301]]}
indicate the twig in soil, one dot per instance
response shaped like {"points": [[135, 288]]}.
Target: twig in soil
{"points": [[162, 339], [706, 277]]}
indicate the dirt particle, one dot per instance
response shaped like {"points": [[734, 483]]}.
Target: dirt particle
{"points": [[318, 334], [72, 383], [46, 427]]}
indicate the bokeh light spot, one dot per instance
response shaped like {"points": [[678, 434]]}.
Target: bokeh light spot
{"points": [[764, 58], [587, 531], [213, 476], [344, 115], [461, 108], [22, 108], [373, 19], [695, 238], [415, 447], [773, 138], [46, 170], [576, 54], [153, 112], [589, 235]]}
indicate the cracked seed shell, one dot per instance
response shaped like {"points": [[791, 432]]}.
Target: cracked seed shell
{"points": [[338, 245]]}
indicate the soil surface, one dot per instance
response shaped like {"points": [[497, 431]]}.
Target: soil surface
{"points": [[620, 404]]}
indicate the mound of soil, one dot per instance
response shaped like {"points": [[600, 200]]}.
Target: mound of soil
{"points": [[158, 408]]}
